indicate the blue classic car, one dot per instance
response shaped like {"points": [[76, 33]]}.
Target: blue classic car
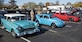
{"points": [[46, 19], [18, 25]]}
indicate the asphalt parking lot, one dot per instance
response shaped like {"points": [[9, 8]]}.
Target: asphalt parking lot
{"points": [[72, 32]]}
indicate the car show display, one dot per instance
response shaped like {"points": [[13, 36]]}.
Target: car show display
{"points": [[40, 20]]}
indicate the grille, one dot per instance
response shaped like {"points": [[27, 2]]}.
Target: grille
{"points": [[28, 29]]}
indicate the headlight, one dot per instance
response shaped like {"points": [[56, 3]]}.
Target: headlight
{"points": [[20, 28]]}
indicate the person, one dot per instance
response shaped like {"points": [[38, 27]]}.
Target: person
{"points": [[48, 12], [32, 15], [39, 12]]}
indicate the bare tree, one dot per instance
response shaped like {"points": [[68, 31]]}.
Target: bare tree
{"points": [[69, 3], [41, 5], [13, 4], [57, 2], [30, 5], [1, 3]]}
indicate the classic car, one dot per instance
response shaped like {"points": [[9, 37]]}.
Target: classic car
{"points": [[66, 17], [46, 19], [18, 25]]}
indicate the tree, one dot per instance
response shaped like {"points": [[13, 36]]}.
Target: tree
{"points": [[52, 3], [25, 5], [57, 2], [12, 4], [29, 5], [1, 4], [78, 4], [69, 3], [40, 5]]}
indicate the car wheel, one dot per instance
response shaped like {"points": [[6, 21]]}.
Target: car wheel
{"points": [[14, 34], [2, 27], [71, 19], [53, 26]]}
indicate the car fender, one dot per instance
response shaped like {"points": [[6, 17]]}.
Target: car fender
{"points": [[71, 17], [9, 24], [52, 23], [37, 20]]}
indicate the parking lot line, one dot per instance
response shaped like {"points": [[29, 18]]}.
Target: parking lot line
{"points": [[52, 31], [25, 39], [73, 22], [68, 26]]}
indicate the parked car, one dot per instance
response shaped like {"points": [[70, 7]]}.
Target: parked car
{"points": [[66, 17], [23, 11], [2, 12], [11, 11], [65, 11], [77, 12], [46, 19], [18, 25]]}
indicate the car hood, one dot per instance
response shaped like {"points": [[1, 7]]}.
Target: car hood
{"points": [[24, 23]]}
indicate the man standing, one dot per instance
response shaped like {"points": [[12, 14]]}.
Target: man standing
{"points": [[32, 15], [39, 12]]}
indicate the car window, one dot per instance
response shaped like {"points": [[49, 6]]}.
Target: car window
{"points": [[23, 17], [12, 19], [41, 16], [46, 17], [62, 13], [16, 18], [57, 13]]}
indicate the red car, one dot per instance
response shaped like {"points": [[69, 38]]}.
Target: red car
{"points": [[66, 17]]}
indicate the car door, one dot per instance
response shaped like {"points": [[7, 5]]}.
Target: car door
{"points": [[46, 20], [41, 19], [63, 16], [6, 24]]}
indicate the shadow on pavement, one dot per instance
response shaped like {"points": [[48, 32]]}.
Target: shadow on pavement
{"points": [[42, 31], [1, 36]]}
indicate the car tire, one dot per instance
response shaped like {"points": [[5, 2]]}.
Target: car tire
{"points": [[14, 34], [71, 19], [53, 25], [2, 27]]}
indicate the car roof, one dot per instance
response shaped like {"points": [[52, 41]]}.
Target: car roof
{"points": [[14, 15]]}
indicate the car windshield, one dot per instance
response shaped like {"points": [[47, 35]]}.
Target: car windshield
{"points": [[51, 16], [68, 13], [71, 14], [17, 18]]}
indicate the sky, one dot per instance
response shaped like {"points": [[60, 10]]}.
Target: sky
{"points": [[21, 2]]}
